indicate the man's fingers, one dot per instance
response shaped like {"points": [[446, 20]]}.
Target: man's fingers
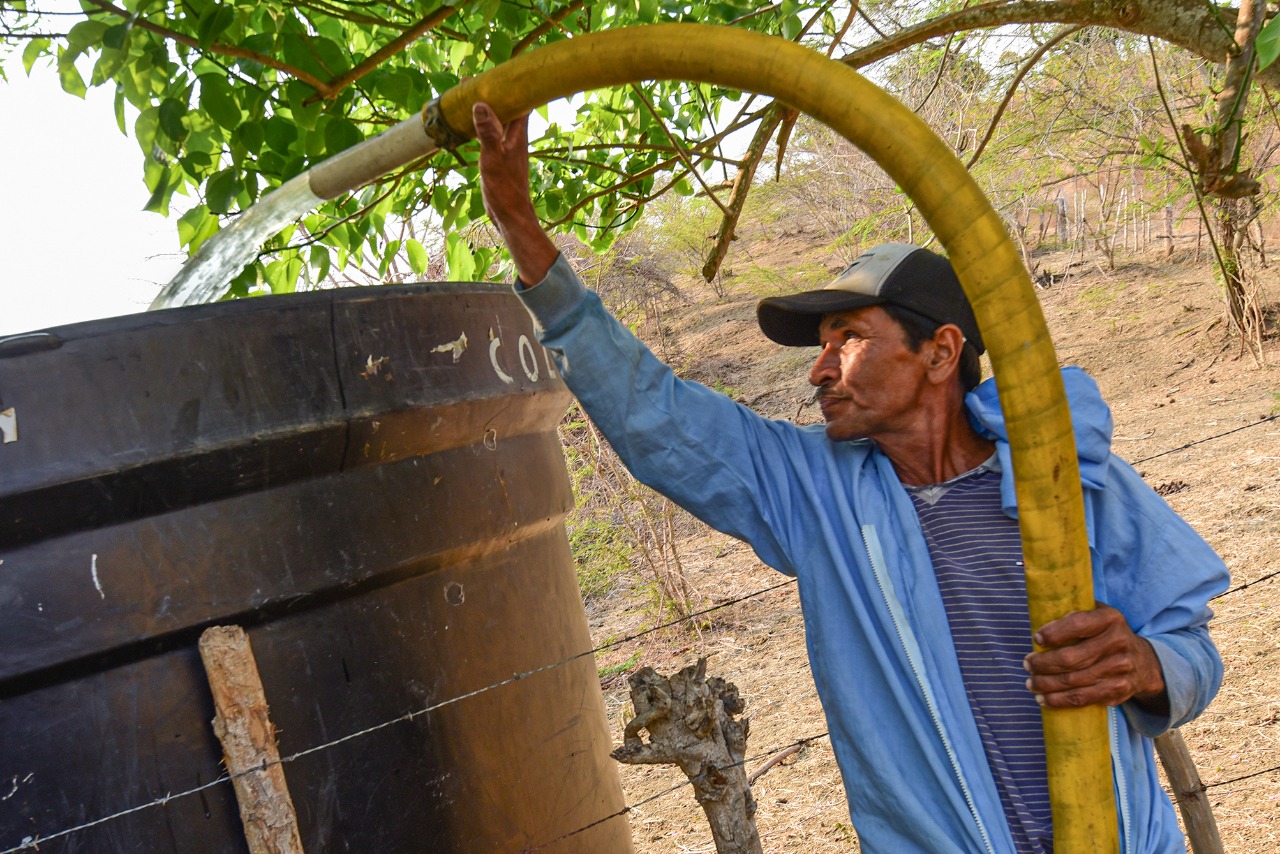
{"points": [[518, 133], [488, 128], [1111, 692], [514, 136], [1077, 626]]}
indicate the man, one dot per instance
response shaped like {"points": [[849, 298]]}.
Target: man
{"points": [[899, 521]]}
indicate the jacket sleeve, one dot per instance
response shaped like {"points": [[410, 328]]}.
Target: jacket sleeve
{"points": [[1154, 568], [692, 444]]}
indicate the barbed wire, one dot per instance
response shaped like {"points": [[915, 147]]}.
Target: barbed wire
{"points": [[32, 843], [800, 742], [1257, 423], [1247, 585], [1242, 777]]}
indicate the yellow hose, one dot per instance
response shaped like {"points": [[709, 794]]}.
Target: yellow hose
{"points": [[1050, 505]]}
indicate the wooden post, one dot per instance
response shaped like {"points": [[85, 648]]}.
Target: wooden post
{"points": [[1188, 793], [248, 739]]}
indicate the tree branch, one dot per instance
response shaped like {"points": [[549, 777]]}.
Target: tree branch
{"points": [[553, 20], [1194, 25], [680, 152], [391, 48], [741, 187], [215, 48], [1013, 86]]}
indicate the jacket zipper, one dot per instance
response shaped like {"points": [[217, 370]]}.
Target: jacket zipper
{"points": [[1122, 785], [872, 544]]}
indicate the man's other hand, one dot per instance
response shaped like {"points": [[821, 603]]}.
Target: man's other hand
{"points": [[1094, 658]]}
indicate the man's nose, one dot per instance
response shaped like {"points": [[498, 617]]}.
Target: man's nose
{"points": [[826, 369]]}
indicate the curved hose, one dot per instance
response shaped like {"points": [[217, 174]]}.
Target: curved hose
{"points": [[1050, 505]]}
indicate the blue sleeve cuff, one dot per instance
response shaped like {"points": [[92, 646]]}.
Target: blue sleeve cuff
{"points": [[553, 300], [1179, 681]]}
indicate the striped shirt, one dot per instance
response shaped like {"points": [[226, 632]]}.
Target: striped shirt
{"points": [[977, 556]]}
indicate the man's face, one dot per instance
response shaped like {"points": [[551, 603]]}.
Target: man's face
{"points": [[870, 379]]}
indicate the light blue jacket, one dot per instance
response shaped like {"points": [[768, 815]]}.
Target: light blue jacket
{"points": [[835, 515]]}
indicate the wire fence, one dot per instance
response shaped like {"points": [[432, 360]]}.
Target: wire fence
{"points": [[33, 843]]}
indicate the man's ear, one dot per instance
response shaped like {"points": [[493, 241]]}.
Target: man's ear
{"points": [[944, 355]]}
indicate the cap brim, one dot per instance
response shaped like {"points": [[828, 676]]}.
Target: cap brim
{"points": [[793, 320]]}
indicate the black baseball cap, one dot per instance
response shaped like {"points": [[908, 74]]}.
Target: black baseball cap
{"points": [[891, 274]]}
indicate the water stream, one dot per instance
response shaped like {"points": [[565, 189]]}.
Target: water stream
{"points": [[205, 275]]}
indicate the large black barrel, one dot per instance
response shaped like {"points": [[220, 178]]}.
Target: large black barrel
{"points": [[370, 483]]}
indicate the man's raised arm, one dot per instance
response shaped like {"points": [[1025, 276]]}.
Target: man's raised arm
{"points": [[504, 183]]}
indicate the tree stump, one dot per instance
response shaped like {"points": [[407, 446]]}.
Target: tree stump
{"points": [[690, 720]]}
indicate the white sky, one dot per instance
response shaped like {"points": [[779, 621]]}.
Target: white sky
{"points": [[75, 243]]}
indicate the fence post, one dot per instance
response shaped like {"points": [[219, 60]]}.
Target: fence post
{"points": [[1188, 793], [248, 741]]}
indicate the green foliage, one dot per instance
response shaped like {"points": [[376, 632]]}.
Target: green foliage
{"points": [[611, 670], [236, 97], [1268, 43], [600, 552]]}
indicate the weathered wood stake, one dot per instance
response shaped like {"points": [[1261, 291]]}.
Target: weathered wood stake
{"points": [[248, 739], [690, 722], [1189, 794]]}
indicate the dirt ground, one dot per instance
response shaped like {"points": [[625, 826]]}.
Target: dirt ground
{"points": [[1149, 331]]}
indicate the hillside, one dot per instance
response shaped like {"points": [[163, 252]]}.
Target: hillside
{"points": [[1149, 331]]}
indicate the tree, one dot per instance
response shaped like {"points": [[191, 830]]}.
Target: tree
{"points": [[234, 98]]}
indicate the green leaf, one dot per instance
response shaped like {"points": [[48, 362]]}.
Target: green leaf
{"points": [[280, 134], [792, 27], [119, 110], [159, 201], [35, 49], [171, 114], [251, 135], [340, 134], [221, 190], [83, 35], [388, 255], [213, 23], [282, 274], [109, 63], [298, 94], [459, 52], [499, 46], [396, 87], [334, 59], [196, 162], [219, 100], [462, 265], [115, 37], [316, 55], [417, 253], [196, 226], [72, 82], [245, 281], [1268, 43], [320, 261]]}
